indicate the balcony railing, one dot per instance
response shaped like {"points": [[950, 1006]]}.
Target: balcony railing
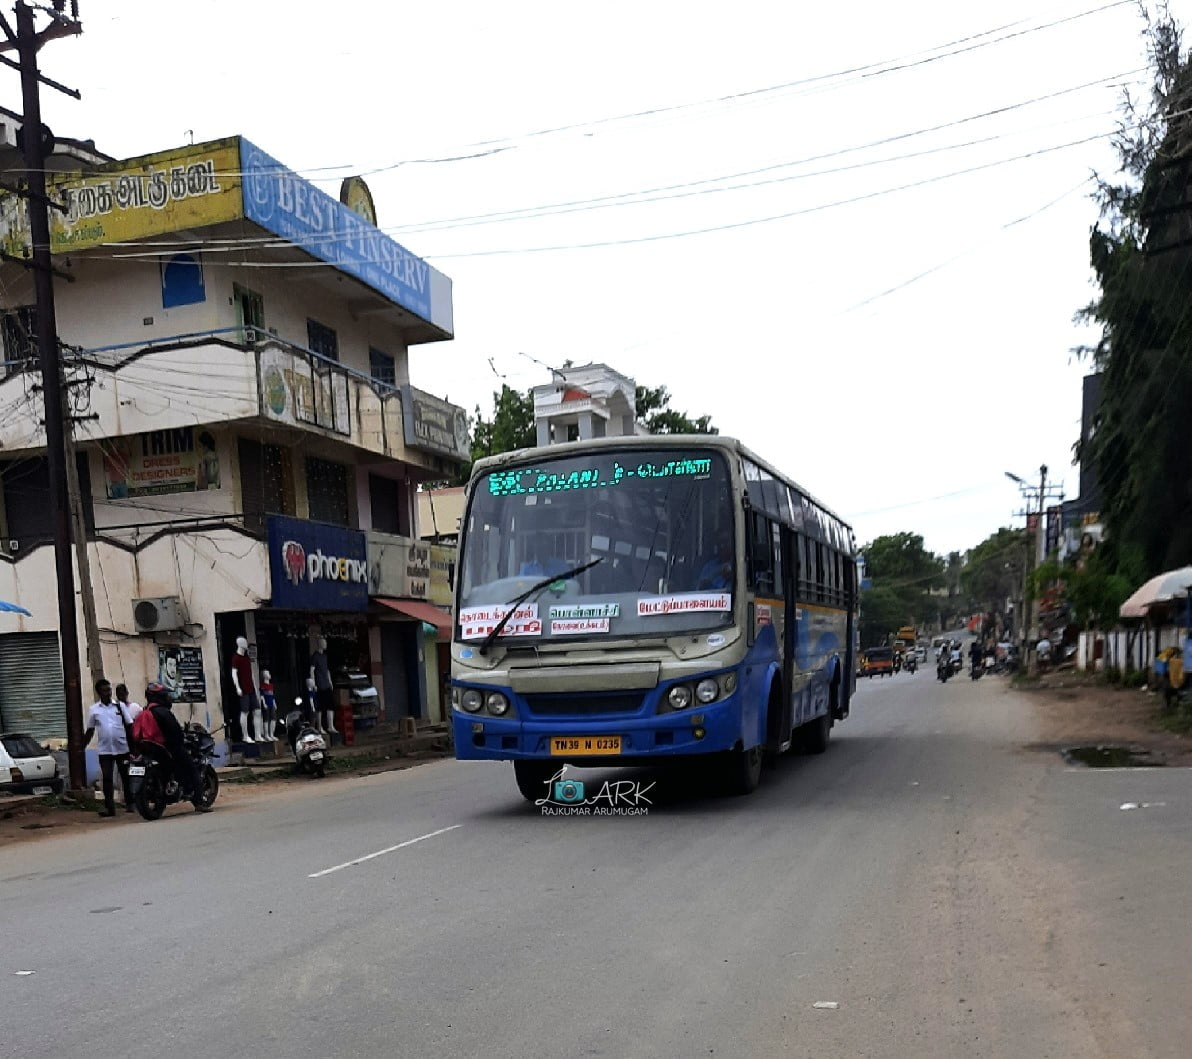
{"points": [[236, 373]]}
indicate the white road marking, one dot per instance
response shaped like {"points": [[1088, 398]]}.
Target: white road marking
{"points": [[382, 852]]}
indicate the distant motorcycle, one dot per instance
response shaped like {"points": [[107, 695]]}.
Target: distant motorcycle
{"points": [[977, 669], [943, 671], [911, 663]]}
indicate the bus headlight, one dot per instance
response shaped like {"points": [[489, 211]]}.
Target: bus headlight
{"points": [[707, 691], [679, 697], [497, 704], [471, 700]]}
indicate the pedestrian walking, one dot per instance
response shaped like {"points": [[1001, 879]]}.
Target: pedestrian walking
{"points": [[108, 719]]}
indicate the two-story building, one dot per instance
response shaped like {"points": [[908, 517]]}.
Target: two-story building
{"points": [[249, 440]]}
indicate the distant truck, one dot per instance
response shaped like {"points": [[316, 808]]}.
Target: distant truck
{"points": [[907, 634]]}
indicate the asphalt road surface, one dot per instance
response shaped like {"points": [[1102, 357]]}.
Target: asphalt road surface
{"points": [[952, 892]]}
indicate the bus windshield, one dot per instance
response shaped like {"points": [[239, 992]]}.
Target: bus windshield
{"points": [[660, 522]]}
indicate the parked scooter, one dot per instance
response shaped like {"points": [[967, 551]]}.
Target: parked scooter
{"points": [[154, 785], [307, 743]]}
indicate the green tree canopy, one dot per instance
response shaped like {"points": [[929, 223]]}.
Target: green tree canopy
{"points": [[993, 572], [903, 574], [655, 414], [1141, 252]]}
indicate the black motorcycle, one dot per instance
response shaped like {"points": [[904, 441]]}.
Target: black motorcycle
{"points": [[154, 785], [943, 670], [977, 669]]}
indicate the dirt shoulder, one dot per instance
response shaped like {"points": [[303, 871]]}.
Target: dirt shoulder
{"points": [[28, 819], [1080, 709]]}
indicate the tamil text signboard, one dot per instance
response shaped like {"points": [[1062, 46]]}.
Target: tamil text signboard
{"points": [[128, 201]]}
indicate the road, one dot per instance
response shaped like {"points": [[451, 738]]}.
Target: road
{"points": [[953, 893]]}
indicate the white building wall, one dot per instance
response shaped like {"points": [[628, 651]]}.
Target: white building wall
{"points": [[110, 301], [212, 571]]}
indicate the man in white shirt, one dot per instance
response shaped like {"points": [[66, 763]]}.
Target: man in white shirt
{"points": [[107, 719], [131, 709]]}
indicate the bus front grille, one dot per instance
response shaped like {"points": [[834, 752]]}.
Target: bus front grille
{"points": [[580, 705]]}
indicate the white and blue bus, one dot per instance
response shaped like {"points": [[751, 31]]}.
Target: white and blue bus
{"points": [[621, 601]]}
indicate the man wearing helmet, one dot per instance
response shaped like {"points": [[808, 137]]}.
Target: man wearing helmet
{"points": [[158, 702]]}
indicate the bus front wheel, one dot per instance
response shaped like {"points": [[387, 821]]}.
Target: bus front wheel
{"points": [[533, 778], [744, 770]]}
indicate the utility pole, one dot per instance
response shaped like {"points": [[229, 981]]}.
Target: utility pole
{"points": [[1035, 554], [36, 142], [82, 558]]}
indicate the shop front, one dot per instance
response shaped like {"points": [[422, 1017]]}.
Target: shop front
{"points": [[316, 624], [410, 585]]}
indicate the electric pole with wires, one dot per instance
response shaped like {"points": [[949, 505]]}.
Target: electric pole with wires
{"points": [[37, 143]]}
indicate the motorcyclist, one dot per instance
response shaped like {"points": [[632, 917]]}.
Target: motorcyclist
{"points": [[976, 655], [157, 699]]}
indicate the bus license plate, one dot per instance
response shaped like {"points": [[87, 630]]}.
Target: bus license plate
{"points": [[579, 745]]}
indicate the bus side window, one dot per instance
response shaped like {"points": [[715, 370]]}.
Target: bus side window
{"points": [[761, 555]]}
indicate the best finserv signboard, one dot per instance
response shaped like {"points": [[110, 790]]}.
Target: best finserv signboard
{"points": [[135, 199], [283, 203]]}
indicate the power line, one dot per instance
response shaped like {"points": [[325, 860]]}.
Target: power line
{"points": [[960, 46]]}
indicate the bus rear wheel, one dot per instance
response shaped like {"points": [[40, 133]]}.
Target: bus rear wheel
{"points": [[815, 734], [533, 778], [743, 770]]}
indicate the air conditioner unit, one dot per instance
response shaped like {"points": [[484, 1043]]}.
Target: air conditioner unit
{"points": [[161, 614]]}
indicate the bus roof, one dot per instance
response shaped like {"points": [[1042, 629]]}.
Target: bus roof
{"points": [[663, 441]]}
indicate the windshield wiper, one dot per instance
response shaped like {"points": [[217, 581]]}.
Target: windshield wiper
{"points": [[545, 583]]}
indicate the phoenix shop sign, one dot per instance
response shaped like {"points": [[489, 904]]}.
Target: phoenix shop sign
{"points": [[315, 566]]}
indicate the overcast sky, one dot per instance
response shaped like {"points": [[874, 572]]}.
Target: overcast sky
{"points": [[895, 349]]}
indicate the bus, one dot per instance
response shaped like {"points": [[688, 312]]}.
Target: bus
{"points": [[634, 600]]}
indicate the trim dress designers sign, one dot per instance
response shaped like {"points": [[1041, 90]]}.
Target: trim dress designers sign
{"points": [[185, 460]]}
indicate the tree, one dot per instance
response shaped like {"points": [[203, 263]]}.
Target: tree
{"points": [[655, 414], [1141, 252], [1093, 592], [993, 572], [903, 573], [511, 426]]}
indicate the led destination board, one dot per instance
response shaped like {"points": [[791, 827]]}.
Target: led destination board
{"points": [[525, 481]]}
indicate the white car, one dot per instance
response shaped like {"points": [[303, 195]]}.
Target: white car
{"points": [[26, 767]]}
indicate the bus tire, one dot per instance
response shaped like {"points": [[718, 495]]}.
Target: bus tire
{"points": [[816, 734], [532, 778], [743, 770]]}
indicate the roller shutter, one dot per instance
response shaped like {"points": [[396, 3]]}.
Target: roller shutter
{"points": [[31, 695]]}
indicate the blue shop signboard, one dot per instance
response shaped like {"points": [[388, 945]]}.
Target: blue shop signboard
{"points": [[282, 202], [315, 566]]}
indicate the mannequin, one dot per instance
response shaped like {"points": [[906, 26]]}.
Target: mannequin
{"points": [[268, 707], [245, 689], [320, 673]]}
